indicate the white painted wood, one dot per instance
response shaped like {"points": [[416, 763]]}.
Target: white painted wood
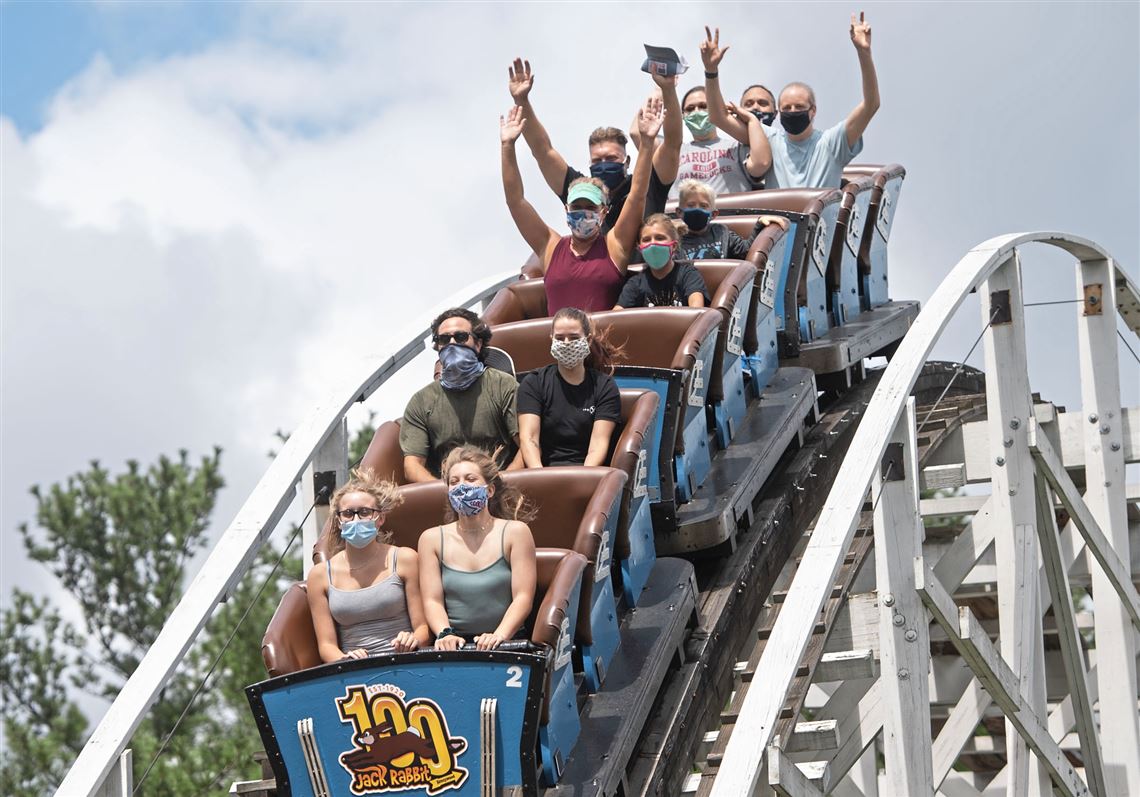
{"points": [[332, 455], [951, 506], [239, 543], [121, 779], [1127, 298], [968, 547], [959, 784], [1102, 549], [744, 756], [1068, 635], [857, 729], [846, 665], [789, 780], [963, 721], [814, 735], [940, 477], [904, 645], [1009, 409], [1105, 437]]}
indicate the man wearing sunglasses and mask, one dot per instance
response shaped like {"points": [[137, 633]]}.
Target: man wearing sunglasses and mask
{"points": [[608, 159], [802, 156], [469, 404]]}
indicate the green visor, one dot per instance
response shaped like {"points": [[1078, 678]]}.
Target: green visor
{"points": [[587, 191]]}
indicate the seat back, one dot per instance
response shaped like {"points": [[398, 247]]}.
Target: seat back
{"points": [[384, 456], [290, 642], [881, 208], [842, 276], [633, 447], [517, 302], [731, 285]]}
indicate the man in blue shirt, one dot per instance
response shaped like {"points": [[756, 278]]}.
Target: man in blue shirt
{"points": [[802, 156]]}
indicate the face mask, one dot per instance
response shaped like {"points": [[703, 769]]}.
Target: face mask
{"points": [[358, 533], [584, 223], [461, 367], [569, 353], [795, 122], [767, 117], [698, 123], [468, 499], [610, 173], [656, 256], [696, 219]]}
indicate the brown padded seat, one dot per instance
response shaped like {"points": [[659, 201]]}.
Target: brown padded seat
{"points": [[572, 504], [725, 279], [290, 642], [523, 299], [384, 456], [855, 186], [638, 411], [881, 175], [787, 200]]}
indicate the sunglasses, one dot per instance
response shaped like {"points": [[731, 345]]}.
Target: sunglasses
{"points": [[444, 338], [364, 513]]}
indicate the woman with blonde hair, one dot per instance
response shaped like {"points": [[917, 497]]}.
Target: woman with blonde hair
{"points": [[478, 571], [366, 599]]}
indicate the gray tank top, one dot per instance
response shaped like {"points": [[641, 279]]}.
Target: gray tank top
{"points": [[370, 617], [476, 601]]}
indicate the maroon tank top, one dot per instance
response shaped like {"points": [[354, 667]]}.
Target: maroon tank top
{"points": [[590, 282]]}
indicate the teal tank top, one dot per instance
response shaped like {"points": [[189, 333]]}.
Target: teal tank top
{"points": [[476, 601]]}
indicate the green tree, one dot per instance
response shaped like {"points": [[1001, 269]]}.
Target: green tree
{"points": [[121, 546]]}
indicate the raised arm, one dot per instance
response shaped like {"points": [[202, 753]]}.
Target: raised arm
{"points": [[712, 54], [550, 162], [539, 237], [759, 158], [621, 239], [859, 118], [667, 157]]}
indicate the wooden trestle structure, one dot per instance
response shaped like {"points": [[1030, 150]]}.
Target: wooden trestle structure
{"points": [[911, 668]]}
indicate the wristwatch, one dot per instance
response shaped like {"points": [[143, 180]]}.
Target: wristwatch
{"points": [[449, 631]]}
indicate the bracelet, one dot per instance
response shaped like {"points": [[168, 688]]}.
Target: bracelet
{"points": [[711, 75], [449, 631]]}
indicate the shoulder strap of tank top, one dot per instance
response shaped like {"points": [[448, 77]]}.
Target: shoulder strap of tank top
{"points": [[441, 546], [394, 549], [328, 569], [503, 540]]}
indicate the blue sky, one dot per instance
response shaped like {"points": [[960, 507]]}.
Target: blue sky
{"points": [[205, 205]]}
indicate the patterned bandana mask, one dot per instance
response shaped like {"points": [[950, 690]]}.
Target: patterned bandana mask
{"points": [[570, 353], [461, 366], [468, 499]]}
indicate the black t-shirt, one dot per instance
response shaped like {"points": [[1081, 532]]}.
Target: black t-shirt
{"points": [[717, 241], [568, 412], [672, 290], [655, 195]]}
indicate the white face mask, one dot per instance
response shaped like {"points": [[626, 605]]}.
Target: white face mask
{"points": [[570, 353]]}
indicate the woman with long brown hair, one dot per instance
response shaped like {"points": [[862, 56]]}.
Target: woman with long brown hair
{"points": [[366, 599], [568, 411], [478, 572]]}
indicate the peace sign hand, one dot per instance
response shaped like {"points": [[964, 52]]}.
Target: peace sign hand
{"points": [[711, 51], [860, 33]]}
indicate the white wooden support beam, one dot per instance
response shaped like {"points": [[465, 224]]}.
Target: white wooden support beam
{"points": [[1069, 637], [787, 780], [1104, 437], [858, 729], [845, 665], [121, 779], [958, 729], [327, 471], [998, 679], [904, 643], [1009, 408], [1114, 570]]}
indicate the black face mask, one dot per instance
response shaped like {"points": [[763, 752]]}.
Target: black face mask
{"points": [[795, 122], [610, 173], [767, 117]]}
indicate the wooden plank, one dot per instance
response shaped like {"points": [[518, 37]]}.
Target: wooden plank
{"points": [[1108, 440], [960, 726], [1009, 409], [1069, 637], [846, 665], [1113, 569], [788, 780], [904, 645]]}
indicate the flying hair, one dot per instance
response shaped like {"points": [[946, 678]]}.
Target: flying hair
{"points": [[603, 353]]}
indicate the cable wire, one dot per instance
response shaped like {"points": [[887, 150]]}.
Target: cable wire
{"points": [[957, 371], [217, 659]]}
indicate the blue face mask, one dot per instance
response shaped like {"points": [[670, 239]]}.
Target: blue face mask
{"points": [[656, 256], [358, 533], [609, 172], [468, 499], [461, 367], [584, 223], [696, 219]]}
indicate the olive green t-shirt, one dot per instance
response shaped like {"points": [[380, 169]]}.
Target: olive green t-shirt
{"points": [[437, 420]]}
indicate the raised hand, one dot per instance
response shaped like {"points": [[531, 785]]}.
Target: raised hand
{"points": [[744, 116], [711, 51], [520, 80], [664, 81], [860, 33], [649, 119], [511, 127]]}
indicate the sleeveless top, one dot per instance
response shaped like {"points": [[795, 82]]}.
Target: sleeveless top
{"points": [[370, 617], [590, 282], [477, 600]]}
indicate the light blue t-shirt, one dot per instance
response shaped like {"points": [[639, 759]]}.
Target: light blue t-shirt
{"points": [[816, 162]]}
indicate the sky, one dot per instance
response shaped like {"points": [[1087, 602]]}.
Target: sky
{"points": [[206, 209]]}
